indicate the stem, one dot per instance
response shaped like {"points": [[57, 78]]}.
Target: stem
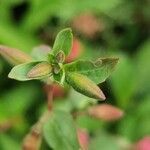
{"points": [[50, 96], [33, 139], [80, 113]]}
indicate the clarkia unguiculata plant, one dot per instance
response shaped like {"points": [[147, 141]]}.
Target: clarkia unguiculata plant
{"points": [[49, 66]]}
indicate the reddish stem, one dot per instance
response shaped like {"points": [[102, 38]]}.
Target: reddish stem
{"points": [[49, 92]]}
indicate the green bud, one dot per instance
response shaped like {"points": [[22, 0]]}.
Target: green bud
{"points": [[41, 69], [60, 57], [14, 56], [56, 69], [84, 85]]}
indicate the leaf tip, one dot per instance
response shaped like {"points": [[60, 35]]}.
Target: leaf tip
{"points": [[116, 59], [68, 29], [10, 75]]}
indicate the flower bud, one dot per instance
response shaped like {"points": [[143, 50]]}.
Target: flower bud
{"points": [[105, 112], [39, 70], [84, 85], [14, 56], [143, 144], [83, 138]]}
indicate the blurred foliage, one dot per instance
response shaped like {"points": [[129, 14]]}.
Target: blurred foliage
{"points": [[123, 32]]}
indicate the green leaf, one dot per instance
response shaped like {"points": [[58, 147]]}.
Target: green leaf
{"points": [[20, 72], [60, 132], [84, 85], [63, 42], [97, 71]]}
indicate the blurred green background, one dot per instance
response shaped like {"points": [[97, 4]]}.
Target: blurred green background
{"points": [[101, 28]]}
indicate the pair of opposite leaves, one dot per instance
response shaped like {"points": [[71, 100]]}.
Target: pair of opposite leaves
{"points": [[82, 75]]}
